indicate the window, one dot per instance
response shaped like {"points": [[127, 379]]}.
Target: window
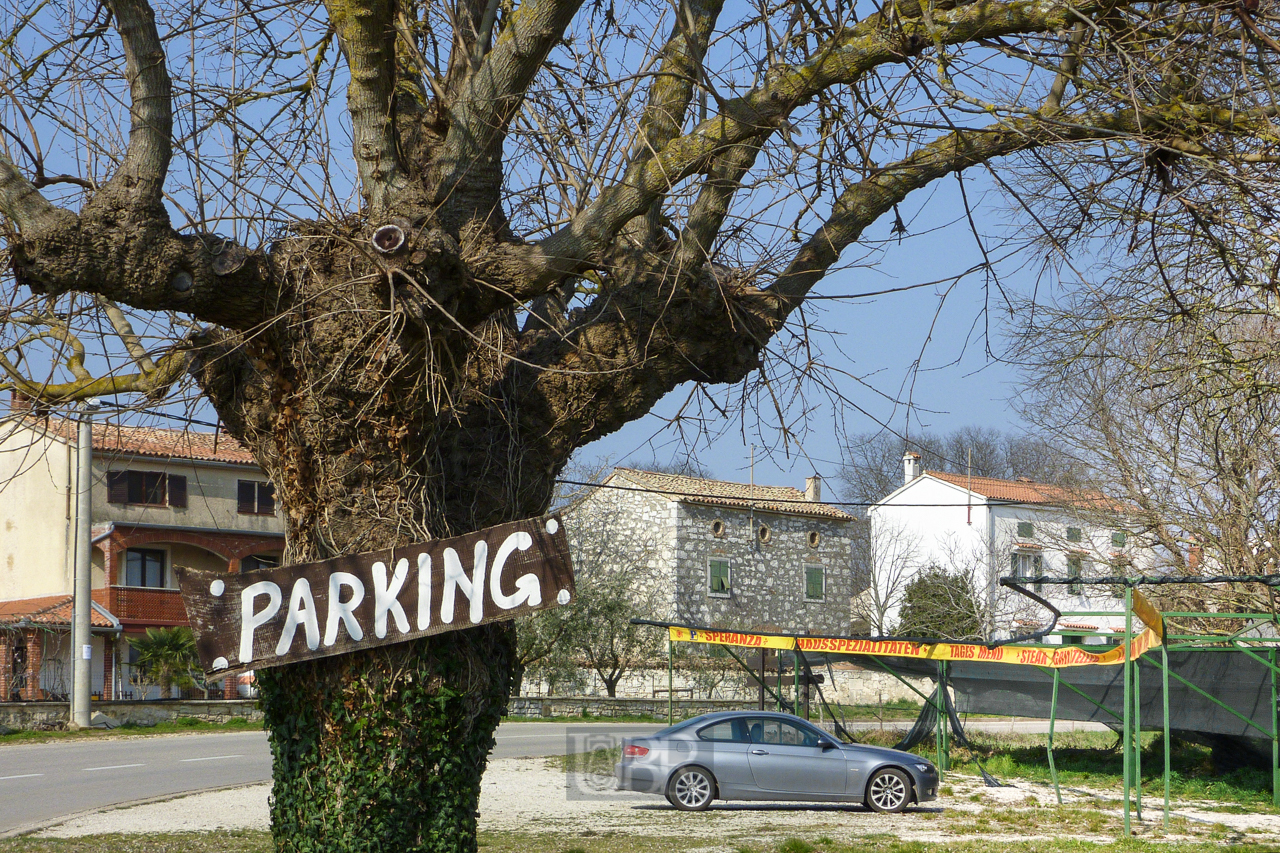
{"points": [[148, 488], [1072, 640], [815, 583], [1024, 564], [144, 567], [255, 498], [1026, 530], [258, 561], [718, 577], [1119, 538], [731, 731], [1074, 566], [1074, 534], [767, 730]]}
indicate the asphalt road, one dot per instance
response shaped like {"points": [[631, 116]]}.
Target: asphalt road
{"points": [[42, 782]]}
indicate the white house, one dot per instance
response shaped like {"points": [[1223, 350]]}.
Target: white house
{"points": [[984, 528]]}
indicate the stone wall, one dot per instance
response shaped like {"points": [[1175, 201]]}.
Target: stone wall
{"points": [[853, 686], [766, 578], [43, 715], [600, 706]]}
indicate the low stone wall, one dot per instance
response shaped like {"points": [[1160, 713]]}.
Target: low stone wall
{"points": [[598, 706], [53, 715]]}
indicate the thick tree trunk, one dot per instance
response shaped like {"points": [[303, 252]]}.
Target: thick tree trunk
{"points": [[377, 433], [383, 750]]}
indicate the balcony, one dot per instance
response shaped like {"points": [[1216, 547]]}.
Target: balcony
{"points": [[140, 604]]}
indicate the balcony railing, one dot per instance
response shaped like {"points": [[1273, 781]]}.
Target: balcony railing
{"points": [[147, 605]]}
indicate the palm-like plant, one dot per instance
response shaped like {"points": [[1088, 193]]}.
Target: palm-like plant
{"points": [[168, 655]]}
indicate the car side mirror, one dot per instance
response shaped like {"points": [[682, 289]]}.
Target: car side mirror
{"points": [[826, 744]]}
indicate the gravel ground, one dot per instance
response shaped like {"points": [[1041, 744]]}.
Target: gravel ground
{"points": [[527, 795]]}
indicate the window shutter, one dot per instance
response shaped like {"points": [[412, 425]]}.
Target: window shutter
{"points": [[177, 491], [266, 498], [118, 487], [246, 496], [1014, 565]]}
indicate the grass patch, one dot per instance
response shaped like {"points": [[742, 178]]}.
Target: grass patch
{"points": [[1093, 760], [183, 724]]}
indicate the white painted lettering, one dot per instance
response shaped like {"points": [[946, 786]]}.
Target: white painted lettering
{"points": [[343, 610], [251, 621], [455, 578], [385, 598], [302, 609], [424, 592], [528, 589]]}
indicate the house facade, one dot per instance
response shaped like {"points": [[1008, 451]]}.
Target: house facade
{"points": [[160, 498], [726, 554], [983, 529]]}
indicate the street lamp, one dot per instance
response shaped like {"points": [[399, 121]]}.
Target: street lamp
{"points": [[82, 592]]}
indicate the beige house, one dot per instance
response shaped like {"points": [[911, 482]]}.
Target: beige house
{"points": [[161, 497]]}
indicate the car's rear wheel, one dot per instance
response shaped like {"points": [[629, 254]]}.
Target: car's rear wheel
{"points": [[889, 790], [691, 789]]}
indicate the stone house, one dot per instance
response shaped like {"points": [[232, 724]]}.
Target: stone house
{"points": [[160, 497], [985, 528], [727, 554]]}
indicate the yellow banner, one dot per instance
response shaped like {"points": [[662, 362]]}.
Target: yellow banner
{"points": [[1050, 656], [731, 638], [1148, 613]]}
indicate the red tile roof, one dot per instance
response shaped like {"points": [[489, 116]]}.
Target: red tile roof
{"points": [[1022, 491], [51, 611], [677, 487], [158, 442]]}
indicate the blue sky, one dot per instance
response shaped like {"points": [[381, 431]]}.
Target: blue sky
{"points": [[879, 338]]}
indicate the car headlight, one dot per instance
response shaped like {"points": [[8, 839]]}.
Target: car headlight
{"points": [[924, 768]]}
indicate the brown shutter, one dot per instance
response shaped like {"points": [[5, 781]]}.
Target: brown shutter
{"points": [[177, 491], [118, 487], [246, 496], [266, 498]]}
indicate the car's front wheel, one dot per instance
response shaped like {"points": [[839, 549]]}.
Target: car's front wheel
{"points": [[691, 789], [889, 790]]}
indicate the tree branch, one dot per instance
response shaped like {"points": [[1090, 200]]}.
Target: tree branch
{"points": [[22, 202], [146, 162], [758, 114], [367, 35], [469, 176]]}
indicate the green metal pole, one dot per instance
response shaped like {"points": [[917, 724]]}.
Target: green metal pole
{"points": [[1053, 719], [1128, 708], [946, 722], [671, 679], [1164, 687], [795, 682], [1137, 734], [1275, 736]]}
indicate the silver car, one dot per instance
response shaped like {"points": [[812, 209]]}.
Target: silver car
{"points": [[760, 755]]}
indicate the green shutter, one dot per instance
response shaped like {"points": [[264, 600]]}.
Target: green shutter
{"points": [[1118, 538], [718, 577], [1014, 565], [814, 583], [1026, 530], [1074, 534], [1037, 569], [1073, 571]]}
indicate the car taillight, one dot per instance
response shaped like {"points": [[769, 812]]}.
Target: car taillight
{"points": [[633, 750]]}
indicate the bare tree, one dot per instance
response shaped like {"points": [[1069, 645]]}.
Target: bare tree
{"points": [[893, 559], [1176, 416], [531, 222]]}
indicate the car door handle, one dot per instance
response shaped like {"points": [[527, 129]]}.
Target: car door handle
{"points": [[759, 752]]}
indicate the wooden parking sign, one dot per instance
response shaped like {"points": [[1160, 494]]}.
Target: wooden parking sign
{"points": [[270, 617]]}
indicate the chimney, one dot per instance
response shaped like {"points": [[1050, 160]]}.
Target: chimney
{"points": [[910, 466], [19, 402], [813, 489]]}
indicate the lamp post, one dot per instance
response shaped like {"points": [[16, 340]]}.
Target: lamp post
{"points": [[81, 643]]}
